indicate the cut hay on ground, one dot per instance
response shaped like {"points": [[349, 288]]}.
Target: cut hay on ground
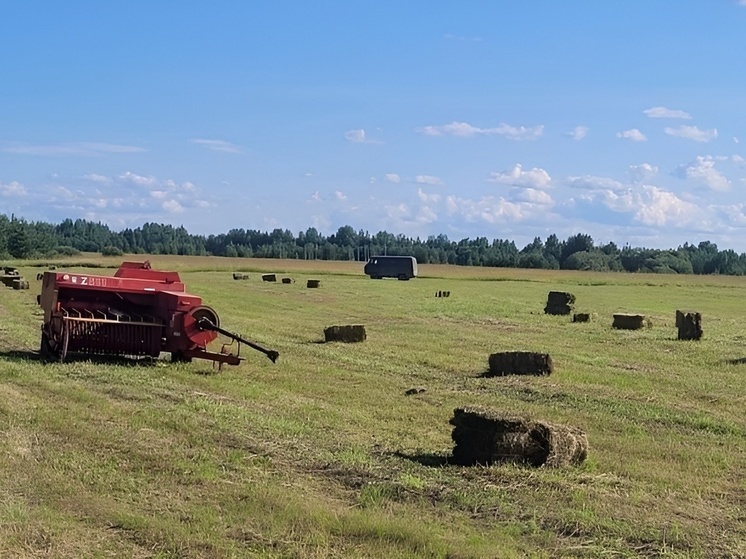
{"points": [[485, 437]]}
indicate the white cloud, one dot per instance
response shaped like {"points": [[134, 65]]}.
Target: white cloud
{"points": [[659, 207], [634, 134], [393, 177], [397, 211], [138, 179], [428, 179], [355, 136], [590, 182], [533, 196], [217, 145], [533, 178], [340, 195], [692, 133], [82, 149], [642, 172], [100, 179], [426, 215], [425, 197], [315, 197], [14, 188], [703, 171], [465, 130], [172, 206], [578, 133], [663, 112]]}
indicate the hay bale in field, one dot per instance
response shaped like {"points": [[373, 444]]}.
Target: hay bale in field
{"points": [[11, 271], [628, 321], [287, 280], [39, 276], [348, 334], [559, 302], [519, 363], [269, 277], [313, 283], [689, 325], [415, 390], [485, 437], [581, 317], [442, 293], [240, 276], [20, 284]]}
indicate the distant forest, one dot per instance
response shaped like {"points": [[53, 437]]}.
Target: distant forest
{"points": [[21, 239]]}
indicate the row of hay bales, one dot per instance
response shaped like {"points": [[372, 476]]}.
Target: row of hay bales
{"points": [[312, 283], [688, 323], [483, 436]]}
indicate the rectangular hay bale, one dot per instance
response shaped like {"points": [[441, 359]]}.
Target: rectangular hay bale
{"points": [[483, 436], [520, 363], [628, 321]]}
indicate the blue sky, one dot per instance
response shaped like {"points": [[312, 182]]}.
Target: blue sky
{"points": [[623, 119]]}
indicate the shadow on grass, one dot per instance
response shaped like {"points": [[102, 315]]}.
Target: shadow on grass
{"points": [[26, 355], [430, 460], [739, 361]]}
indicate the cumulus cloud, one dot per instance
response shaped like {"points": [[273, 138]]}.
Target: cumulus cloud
{"points": [[533, 196], [702, 170], [465, 130], [634, 135], [658, 207], [642, 172], [393, 177], [425, 197], [81, 149], [138, 179], [663, 112], [692, 133], [533, 178], [217, 145], [590, 182], [340, 195], [172, 206], [13, 188], [489, 209], [428, 179], [578, 133]]}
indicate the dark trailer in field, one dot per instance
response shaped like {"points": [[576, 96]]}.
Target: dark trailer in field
{"points": [[399, 267]]}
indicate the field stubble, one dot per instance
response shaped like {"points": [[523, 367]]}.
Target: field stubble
{"points": [[324, 455]]}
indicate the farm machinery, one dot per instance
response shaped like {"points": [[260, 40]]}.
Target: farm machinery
{"points": [[137, 312]]}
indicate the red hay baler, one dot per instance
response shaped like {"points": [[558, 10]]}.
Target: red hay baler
{"points": [[137, 312]]}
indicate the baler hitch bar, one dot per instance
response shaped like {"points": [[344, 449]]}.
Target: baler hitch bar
{"points": [[206, 324]]}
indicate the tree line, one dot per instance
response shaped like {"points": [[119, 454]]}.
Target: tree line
{"points": [[22, 239]]}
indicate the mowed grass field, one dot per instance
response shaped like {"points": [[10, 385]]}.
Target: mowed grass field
{"points": [[324, 455]]}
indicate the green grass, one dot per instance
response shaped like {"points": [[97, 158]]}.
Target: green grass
{"points": [[323, 455]]}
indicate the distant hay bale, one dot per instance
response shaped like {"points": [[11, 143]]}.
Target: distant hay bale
{"points": [[485, 437], [240, 276], [442, 293], [689, 325], [39, 276], [519, 363], [559, 302], [628, 321], [269, 277], [581, 317], [11, 271], [313, 283], [20, 284], [287, 280], [348, 334]]}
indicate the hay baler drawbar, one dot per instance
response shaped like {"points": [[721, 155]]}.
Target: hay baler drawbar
{"points": [[137, 312]]}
